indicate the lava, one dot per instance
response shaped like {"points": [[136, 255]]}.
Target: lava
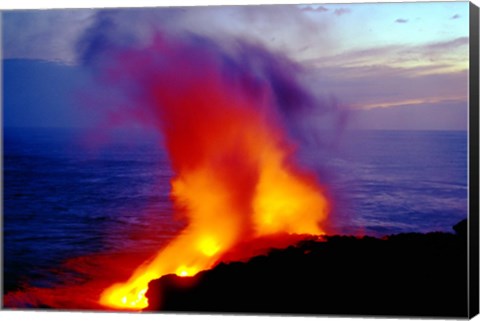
{"points": [[220, 114]]}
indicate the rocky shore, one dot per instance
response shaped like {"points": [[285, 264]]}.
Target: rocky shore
{"points": [[398, 275]]}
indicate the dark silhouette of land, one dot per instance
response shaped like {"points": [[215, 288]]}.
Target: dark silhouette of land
{"points": [[399, 275]]}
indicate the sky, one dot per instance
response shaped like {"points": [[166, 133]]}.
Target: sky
{"points": [[388, 65]]}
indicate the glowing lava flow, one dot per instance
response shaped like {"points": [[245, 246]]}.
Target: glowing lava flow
{"points": [[235, 179]]}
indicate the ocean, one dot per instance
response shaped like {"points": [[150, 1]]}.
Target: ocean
{"points": [[68, 194]]}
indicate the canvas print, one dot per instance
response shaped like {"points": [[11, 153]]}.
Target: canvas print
{"points": [[307, 159]]}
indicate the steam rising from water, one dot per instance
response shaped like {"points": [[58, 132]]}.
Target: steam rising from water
{"points": [[222, 112]]}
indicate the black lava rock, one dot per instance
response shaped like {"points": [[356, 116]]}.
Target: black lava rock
{"points": [[423, 275]]}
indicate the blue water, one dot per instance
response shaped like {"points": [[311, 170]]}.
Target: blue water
{"points": [[401, 181], [64, 197]]}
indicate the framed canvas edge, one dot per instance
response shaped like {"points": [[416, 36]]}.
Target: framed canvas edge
{"points": [[473, 304], [473, 132]]}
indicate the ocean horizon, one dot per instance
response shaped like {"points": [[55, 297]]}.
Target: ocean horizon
{"points": [[67, 195]]}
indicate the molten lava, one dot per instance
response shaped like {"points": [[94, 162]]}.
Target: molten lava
{"points": [[235, 179]]}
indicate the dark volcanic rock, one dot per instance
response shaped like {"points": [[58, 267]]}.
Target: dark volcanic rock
{"points": [[401, 275]]}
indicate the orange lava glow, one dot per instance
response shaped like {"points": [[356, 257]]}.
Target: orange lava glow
{"points": [[235, 180], [243, 187]]}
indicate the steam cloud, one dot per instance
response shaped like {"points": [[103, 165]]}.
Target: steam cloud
{"points": [[230, 115]]}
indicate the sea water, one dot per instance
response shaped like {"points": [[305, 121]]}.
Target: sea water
{"points": [[68, 193]]}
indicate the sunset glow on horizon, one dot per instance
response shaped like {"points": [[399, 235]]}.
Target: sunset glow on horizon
{"points": [[399, 47]]}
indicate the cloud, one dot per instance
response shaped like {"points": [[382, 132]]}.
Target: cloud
{"points": [[450, 44], [383, 97], [53, 34], [452, 52], [397, 76], [445, 49], [44, 34], [317, 9], [342, 11], [400, 20], [382, 86], [456, 16], [439, 115]]}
